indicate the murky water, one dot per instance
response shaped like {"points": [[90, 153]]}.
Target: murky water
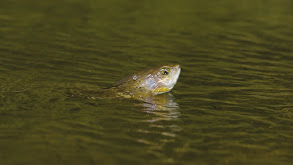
{"points": [[233, 103]]}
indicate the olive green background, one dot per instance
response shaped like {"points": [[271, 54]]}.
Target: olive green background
{"points": [[233, 103]]}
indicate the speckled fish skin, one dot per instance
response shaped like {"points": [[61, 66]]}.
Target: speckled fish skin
{"points": [[152, 81]]}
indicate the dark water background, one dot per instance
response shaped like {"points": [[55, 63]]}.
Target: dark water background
{"points": [[233, 103]]}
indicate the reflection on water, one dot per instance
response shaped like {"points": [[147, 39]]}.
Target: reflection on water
{"points": [[163, 111], [163, 106]]}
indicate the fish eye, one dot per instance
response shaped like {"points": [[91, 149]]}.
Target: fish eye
{"points": [[165, 71]]}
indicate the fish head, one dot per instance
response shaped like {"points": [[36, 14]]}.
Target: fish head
{"points": [[160, 79]]}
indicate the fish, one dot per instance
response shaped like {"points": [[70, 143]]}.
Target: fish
{"points": [[152, 81], [140, 86]]}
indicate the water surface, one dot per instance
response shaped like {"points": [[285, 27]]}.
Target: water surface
{"points": [[233, 103]]}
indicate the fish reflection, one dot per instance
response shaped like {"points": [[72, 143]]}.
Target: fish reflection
{"points": [[161, 127], [163, 106]]}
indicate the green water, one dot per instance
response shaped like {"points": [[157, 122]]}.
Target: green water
{"points": [[233, 103]]}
